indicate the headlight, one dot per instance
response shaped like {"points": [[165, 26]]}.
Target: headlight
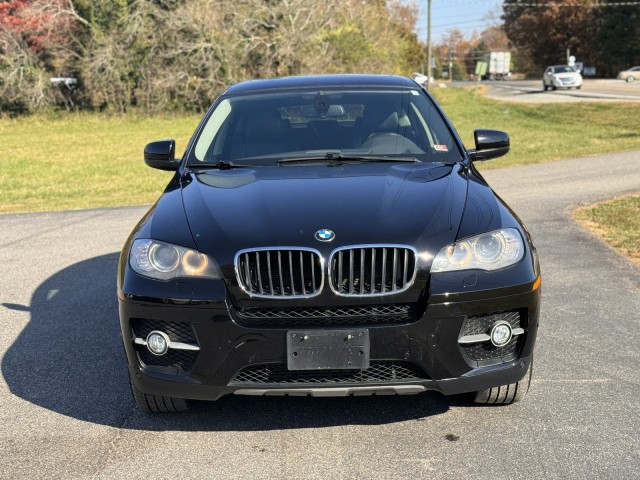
{"points": [[164, 261], [489, 251]]}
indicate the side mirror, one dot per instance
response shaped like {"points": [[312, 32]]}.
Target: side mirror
{"points": [[489, 144], [161, 155]]}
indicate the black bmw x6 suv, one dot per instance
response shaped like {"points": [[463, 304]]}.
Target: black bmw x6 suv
{"points": [[327, 236]]}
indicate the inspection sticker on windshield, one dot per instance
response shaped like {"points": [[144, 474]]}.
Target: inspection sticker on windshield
{"points": [[441, 148]]}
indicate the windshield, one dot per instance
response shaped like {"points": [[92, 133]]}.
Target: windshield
{"points": [[563, 69], [264, 128]]}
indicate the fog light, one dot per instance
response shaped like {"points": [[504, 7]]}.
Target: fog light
{"points": [[158, 342], [501, 333]]}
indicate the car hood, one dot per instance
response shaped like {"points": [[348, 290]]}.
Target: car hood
{"points": [[567, 75], [374, 203]]}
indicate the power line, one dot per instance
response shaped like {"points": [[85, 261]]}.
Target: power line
{"points": [[564, 4]]}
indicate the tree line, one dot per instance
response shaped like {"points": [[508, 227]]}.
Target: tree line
{"points": [[600, 33], [166, 55], [604, 34]]}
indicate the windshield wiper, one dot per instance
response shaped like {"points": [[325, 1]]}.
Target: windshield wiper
{"points": [[339, 158], [221, 165]]}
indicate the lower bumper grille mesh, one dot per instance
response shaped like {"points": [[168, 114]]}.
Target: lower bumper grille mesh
{"points": [[177, 331], [486, 352], [390, 314], [278, 373], [173, 358]]}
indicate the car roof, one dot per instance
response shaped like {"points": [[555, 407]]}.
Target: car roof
{"points": [[314, 81]]}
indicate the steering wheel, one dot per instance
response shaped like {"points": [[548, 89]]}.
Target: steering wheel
{"points": [[383, 143]]}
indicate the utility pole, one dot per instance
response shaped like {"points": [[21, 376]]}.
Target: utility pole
{"points": [[429, 60], [450, 48]]}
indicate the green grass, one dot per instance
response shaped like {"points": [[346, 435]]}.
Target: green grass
{"points": [[72, 161], [83, 160], [617, 222], [543, 132]]}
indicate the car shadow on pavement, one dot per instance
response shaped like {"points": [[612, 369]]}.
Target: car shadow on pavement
{"points": [[69, 359]]}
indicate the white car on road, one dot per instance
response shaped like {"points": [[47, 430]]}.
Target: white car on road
{"points": [[630, 75], [561, 76]]}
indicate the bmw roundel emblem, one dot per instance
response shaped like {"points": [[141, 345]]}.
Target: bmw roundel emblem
{"points": [[325, 235]]}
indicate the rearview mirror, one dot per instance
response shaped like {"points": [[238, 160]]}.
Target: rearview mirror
{"points": [[161, 155], [310, 111], [489, 144], [335, 111]]}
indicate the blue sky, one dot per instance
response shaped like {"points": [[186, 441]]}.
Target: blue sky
{"points": [[466, 15]]}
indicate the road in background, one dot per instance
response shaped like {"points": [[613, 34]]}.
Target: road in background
{"points": [[531, 91], [67, 411]]}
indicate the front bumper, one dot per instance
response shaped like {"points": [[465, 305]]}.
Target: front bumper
{"points": [[426, 347], [567, 82]]}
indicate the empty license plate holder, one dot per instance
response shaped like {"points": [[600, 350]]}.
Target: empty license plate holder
{"points": [[328, 349]]}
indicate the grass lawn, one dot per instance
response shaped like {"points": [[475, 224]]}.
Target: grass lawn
{"points": [[76, 161], [617, 222], [543, 132], [72, 161]]}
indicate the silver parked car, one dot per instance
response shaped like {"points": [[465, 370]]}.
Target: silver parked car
{"points": [[630, 74], [561, 76]]}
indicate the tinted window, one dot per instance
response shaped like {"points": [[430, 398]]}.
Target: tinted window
{"points": [[259, 129], [564, 69]]}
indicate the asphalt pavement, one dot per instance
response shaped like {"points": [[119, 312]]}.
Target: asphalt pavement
{"points": [[530, 91], [67, 411]]}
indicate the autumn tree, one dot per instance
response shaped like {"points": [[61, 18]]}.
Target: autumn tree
{"points": [[34, 45], [370, 38], [542, 32], [617, 42], [495, 39], [455, 48]]}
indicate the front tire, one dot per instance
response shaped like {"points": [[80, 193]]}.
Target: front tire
{"points": [[505, 394], [158, 403], [631, 78], [544, 86]]}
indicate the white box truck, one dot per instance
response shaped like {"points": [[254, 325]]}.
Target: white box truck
{"points": [[499, 65]]}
